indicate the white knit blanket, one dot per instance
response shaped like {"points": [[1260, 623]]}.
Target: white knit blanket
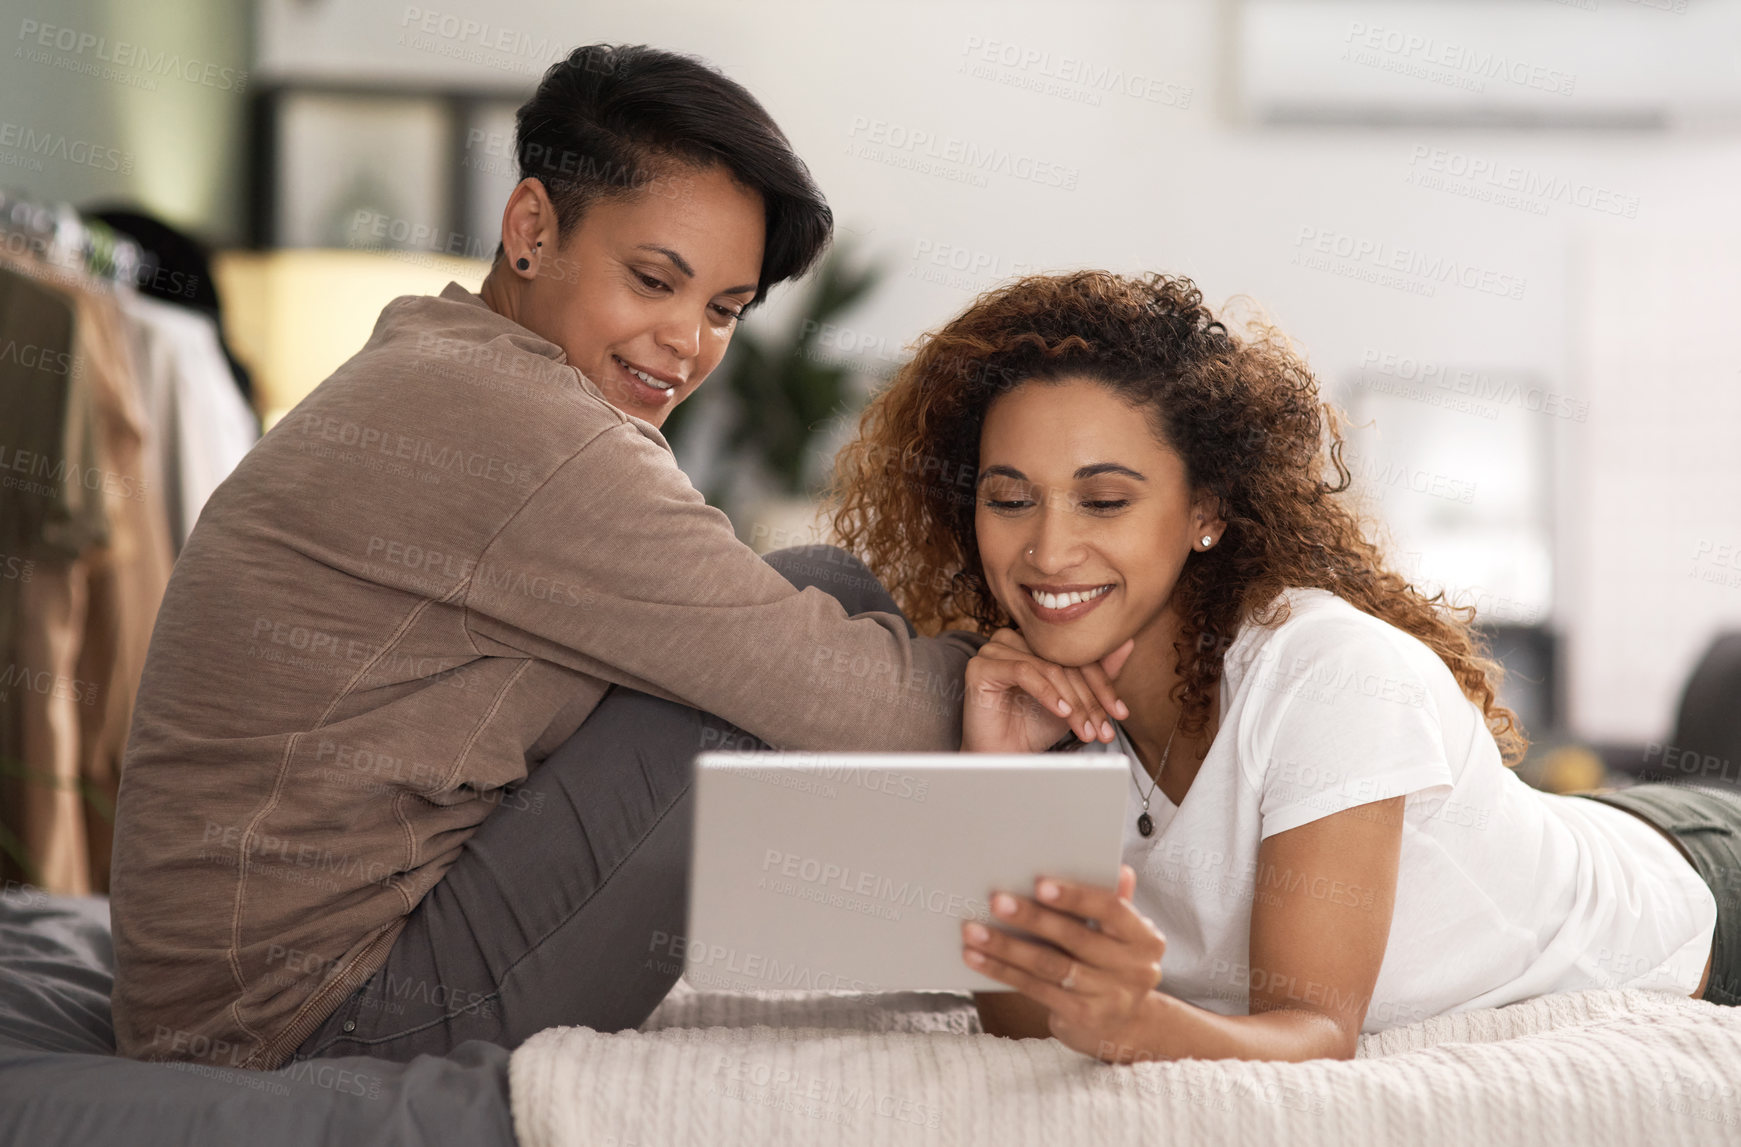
{"points": [[712, 1069]]}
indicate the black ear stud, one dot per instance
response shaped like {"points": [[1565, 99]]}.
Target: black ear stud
{"points": [[522, 263]]}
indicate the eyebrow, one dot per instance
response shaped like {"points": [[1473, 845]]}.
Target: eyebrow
{"points": [[1090, 471], [682, 264]]}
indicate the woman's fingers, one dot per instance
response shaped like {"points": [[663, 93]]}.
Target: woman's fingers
{"points": [[1104, 690], [1002, 663], [1096, 725], [1097, 679], [1085, 714], [1065, 932], [1045, 963], [1002, 673], [1089, 705], [1046, 993], [1112, 910]]}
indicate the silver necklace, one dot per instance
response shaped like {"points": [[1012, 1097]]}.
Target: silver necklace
{"points": [[1145, 823]]}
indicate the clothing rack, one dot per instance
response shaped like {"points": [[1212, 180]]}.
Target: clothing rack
{"points": [[57, 235], [119, 415]]}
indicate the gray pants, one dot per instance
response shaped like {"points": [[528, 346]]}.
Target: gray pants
{"points": [[574, 914]]}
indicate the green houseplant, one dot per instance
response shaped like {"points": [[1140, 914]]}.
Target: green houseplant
{"points": [[775, 392]]}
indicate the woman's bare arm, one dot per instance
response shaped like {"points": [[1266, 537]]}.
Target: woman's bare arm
{"points": [[1011, 1015], [1320, 922]]}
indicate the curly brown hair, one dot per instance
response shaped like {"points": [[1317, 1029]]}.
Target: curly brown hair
{"points": [[1243, 414]]}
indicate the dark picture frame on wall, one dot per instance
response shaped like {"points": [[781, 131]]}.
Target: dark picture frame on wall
{"points": [[380, 169]]}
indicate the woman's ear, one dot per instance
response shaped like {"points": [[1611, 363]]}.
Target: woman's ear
{"points": [[527, 221], [1206, 521]]}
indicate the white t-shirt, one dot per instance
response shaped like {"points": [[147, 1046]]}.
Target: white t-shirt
{"points": [[1503, 892]]}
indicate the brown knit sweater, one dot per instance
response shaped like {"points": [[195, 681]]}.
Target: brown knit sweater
{"points": [[411, 591]]}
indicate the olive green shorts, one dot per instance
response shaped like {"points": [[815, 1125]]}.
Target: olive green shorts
{"points": [[1706, 823]]}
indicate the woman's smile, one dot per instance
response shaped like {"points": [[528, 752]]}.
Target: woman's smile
{"points": [[1061, 604], [644, 387]]}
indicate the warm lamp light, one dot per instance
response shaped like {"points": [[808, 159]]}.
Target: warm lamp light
{"points": [[294, 316]]}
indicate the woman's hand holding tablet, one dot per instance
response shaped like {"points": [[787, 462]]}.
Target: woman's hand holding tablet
{"points": [[1098, 984]]}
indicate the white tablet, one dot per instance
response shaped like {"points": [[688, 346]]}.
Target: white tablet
{"points": [[854, 871]]}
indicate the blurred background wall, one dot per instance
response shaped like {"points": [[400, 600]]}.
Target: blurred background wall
{"points": [[1503, 231], [112, 76]]}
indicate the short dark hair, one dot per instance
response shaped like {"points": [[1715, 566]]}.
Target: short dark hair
{"points": [[609, 120]]}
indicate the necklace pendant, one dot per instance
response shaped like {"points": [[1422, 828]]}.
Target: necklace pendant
{"points": [[1145, 825]]}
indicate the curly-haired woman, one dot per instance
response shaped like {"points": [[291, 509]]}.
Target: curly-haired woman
{"points": [[1323, 834]]}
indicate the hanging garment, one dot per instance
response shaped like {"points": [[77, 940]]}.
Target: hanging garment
{"points": [[127, 574], [203, 425], [39, 609], [183, 275], [46, 438], [83, 620]]}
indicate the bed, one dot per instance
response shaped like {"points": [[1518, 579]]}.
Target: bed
{"points": [[775, 1069], [1587, 1068], [62, 1084]]}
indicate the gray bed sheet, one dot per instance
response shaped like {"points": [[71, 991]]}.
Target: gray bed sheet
{"points": [[61, 1082]]}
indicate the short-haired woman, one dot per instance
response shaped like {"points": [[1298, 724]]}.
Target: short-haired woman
{"points": [[356, 815]]}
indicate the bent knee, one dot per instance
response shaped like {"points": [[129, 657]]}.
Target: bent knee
{"points": [[818, 559], [835, 572]]}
